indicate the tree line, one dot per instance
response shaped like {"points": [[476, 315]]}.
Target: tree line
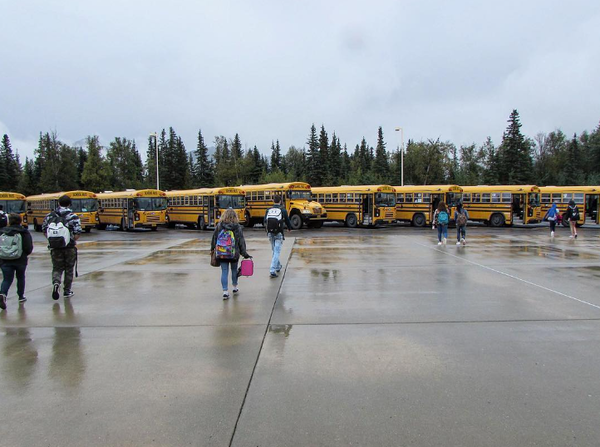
{"points": [[546, 159]]}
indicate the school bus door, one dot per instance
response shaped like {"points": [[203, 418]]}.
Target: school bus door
{"points": [[212, 210], [130, 211], [367, 209]]}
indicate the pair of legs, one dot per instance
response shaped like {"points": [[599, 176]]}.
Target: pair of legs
{"points": [[8, 273], [276, 241], [573, 225], [225, 266], [461, 233], [63, 261], [552, 226], [442, 232]]}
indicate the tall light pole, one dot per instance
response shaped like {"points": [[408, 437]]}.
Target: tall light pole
{"points": [[156, 151], [401, 130]]}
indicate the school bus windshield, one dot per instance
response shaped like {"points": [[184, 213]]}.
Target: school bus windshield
{"points": [[385, 199], [13, 206], [299, 195], [84, 205], [150, 203], [454, 198], [534, 199], [228, 201]]}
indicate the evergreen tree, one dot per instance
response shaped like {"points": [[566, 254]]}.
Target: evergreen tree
{"points": [[10, 168], [324, 157], [470, 166], [491, 163], [204, 168], [276, 159], [95, 176], [314, 172], [28, 185], [515, 162], [573, 168], [295, 162], [81, 159], [381, 164], [335, 161]]}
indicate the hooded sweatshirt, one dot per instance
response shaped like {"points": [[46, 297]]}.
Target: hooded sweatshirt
{"points": [[552, 212], [240, 243], [27, 244]]}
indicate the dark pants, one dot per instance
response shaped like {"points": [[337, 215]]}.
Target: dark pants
{"points": [[461, 233], [63, 260], [8, 272], [552, 225]]}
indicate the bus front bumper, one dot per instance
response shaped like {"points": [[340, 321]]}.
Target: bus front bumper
{"points": [[314, 217]]}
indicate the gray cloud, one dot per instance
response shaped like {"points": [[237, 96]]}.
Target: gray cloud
{"points": [[269, 69]]}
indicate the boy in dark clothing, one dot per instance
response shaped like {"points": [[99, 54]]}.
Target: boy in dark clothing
{"points": [[275, 219], [63, 259], [3, 217], [10, 267]]}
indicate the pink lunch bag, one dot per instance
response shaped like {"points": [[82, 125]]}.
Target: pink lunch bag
{"points": [[247, 267]]}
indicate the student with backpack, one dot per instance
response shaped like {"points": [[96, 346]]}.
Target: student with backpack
{"points": [[15, 247], [3, 217], [275, 219], [228, 244], [572, 216], [62, 228], [461, 216], [440, 220], [552, 216]]}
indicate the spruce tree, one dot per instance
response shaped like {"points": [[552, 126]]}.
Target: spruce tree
{"points": [[81, 159], [335, 161], [204, 168], [324, 157], [381, 165], [515, 161], [126, 169], [28, 185], [10, 168], [276, 157], [314, 173]]}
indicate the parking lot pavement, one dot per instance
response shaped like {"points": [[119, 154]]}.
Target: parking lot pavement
{"points": [[369, 337]]}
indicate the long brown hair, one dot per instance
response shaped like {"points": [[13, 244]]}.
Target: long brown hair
{"points": [[229, 216], [442, 207]]}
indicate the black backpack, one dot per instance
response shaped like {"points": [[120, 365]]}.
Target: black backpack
{"points": [[274, 220], [3, 219], [575, 213]]}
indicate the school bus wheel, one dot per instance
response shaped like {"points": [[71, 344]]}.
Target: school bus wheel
{"points": [[497, 220], [248, 223], [296, 221], [351, 221], [419, 220], [565, 222], [36, 226], [315, 224], [155, 228], [169, 223]]}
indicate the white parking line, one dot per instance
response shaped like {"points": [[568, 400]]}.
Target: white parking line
{"points": [[508, 275]]}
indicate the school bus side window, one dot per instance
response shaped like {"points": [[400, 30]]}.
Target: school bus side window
{"points": [[466, 197], [485, 197], [476, 197], [556, 198], [506, 197], [400, 198], [496, 197]]}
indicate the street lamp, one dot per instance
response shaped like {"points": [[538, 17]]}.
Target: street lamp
{"points": [[156, 150], [401, 130]]}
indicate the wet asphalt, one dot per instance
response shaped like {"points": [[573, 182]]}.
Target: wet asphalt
{"points": [[368, 337]]}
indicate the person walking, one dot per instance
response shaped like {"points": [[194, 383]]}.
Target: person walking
{"points": [[3, 217], [275, 219], [62, 228], [551, 216], [572, 216], [440, 220], [15, 247], [461, 216], [228, 243]]}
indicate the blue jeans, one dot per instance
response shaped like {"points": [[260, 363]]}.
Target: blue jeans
{"points": [[461, 232], [8, 272], [225, 266], [276, 244], [442, 230]]}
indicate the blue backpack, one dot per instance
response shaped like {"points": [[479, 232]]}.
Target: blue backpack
{"points": [[443, 218]]}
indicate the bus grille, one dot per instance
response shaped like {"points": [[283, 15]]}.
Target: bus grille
{"points": [[153, 219], [389, 215], [84, 220]]}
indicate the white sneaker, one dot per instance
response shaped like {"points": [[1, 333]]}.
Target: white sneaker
{"points": [[225, 296], [444, 241], [463, 241], [236, 290], [439, 243], [571, 236], [552, 234], [458, 243]]}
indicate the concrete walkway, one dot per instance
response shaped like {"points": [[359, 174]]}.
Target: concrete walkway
{"points": [[367, 338]]}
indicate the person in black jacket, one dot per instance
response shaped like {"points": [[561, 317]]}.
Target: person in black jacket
{"points": [[572, 216], [229, 222], [11, 266], [275, 219]]}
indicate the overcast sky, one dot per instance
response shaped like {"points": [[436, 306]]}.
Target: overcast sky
{"points": [[269, 69]]}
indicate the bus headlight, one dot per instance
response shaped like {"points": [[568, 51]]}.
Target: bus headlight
{"points": [[136, 216], [305, 211], [377, 212]]}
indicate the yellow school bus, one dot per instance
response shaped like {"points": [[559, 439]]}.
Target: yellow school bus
{"points": [[416, 204], [503, 204], [13, 202], [365, 205], [203, 207], [83, 203], [585, 197], [296, 197], [145, 208]]}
